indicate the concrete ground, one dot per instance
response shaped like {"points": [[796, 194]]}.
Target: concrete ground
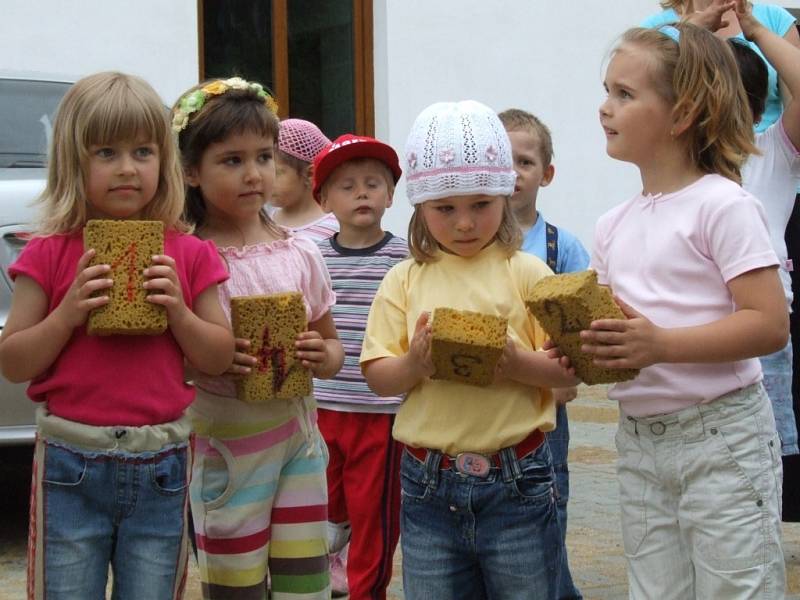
{"points": [[594, 541]]}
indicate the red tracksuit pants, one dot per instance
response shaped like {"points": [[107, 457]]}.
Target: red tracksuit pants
{"points": [[364, 488]]}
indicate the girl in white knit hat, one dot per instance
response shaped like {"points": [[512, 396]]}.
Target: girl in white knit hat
{"points": [[478, 516], [299, 142]]}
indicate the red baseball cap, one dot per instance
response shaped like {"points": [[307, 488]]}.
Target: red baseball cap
{"points": [[347, 147]]}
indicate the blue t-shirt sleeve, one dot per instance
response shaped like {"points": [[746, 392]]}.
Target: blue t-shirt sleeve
{"points": [[775, 18], [572, 256]]}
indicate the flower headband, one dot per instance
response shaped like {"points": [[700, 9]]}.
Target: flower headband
{"points": [[194, 101]]}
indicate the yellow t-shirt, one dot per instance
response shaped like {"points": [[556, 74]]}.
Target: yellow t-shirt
{"points": [[446, 415]]}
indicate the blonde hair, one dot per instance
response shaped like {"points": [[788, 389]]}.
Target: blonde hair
{"points": [[677, 5], [424, 247], [100, 109], [699, 77]]}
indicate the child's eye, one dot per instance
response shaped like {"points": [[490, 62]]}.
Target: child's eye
{"points": [[144, 152], [443, 209], [265, 157], [231, 160], [625, 94], [104, 152], [481, 205]]}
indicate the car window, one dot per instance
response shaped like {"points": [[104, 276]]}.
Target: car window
{"points": [[26, 120]]}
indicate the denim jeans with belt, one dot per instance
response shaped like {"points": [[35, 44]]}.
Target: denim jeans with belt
{"points": [[466, 537]]}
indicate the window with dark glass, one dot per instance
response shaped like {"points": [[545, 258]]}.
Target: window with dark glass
{"points": [[316, 55]]}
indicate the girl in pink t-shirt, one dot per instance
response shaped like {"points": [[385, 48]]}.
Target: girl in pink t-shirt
{"points": [[258, 492], [112, 452], [690, 262]]}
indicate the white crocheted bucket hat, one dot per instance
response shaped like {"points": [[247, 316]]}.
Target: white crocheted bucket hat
{"points": [[457, 149]]}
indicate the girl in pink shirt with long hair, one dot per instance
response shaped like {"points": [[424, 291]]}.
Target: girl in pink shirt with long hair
{"points": [[690, 262], [258, 492], [111, 464]]}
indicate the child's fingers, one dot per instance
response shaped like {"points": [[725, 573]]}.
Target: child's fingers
{"points": [[606, 325], [422, 322], [163, 259], [603, 336], [242, 344]]}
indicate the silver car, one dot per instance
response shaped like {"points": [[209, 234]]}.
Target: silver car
{"points": [[28, 103]]}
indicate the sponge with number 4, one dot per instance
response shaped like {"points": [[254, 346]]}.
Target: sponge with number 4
{"points": [[566, 304]]}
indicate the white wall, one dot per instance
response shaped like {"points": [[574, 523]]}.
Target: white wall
{"points": [[155, 39], [540, 55]]}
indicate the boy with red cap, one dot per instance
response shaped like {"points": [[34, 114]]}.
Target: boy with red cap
{"points": [[354, 179]]}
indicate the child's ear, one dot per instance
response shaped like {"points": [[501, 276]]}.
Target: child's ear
{"points": [[190, 175], [547, 175], [681, 123], [308, 175]]}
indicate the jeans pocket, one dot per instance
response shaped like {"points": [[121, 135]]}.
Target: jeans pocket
{"points": [[63, 467], [168, 472], [535, 485], [633, 488], [413, 487]]}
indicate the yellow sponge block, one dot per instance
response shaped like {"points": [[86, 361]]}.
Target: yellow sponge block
{"points": [[271, 323], [566, 304], [128, 247], [466, 345]]}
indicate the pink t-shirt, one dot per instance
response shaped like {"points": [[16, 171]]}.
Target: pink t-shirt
{"points": [[670, 257], [115, 379], [318, 230], [291, 265]]}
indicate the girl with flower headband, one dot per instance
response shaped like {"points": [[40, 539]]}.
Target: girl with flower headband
{"points": [[478, 515], [258, 491], [112, 451], [690, 262]]}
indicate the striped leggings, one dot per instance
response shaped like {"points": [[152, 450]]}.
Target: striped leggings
{"points": [[259, 499]]}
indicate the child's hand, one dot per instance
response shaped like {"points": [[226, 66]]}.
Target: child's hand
{"points": [[631, 343], [312, 351], [164, 286], [243, 362], [711, 17], [419, 350], [78, 301], [508, 363], [564, 395], [555, 353], [748, 23]]}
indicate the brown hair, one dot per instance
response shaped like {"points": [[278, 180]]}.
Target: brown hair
{"points": [[515, 119], [423, 246], [100, 109], [233, 112], [699, 77]]}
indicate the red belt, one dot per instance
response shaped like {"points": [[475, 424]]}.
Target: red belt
{"points": [[525, 447]]}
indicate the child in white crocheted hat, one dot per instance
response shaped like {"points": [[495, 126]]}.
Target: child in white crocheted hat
{"points": [[299, 142], [478, 517]]}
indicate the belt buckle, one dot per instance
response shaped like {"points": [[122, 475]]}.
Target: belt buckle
{"points": [[658, 428], [472, 463]]}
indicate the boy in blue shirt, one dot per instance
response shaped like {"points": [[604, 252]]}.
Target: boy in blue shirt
{"points": [[532, 150]]}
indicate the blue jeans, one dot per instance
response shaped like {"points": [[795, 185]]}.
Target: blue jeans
{"points": [[777, 368], [558, 439], [118, 508], [470, 538]]}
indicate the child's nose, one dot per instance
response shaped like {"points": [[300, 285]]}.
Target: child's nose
{"points": [[252, 173], [465, 222], [126, 164]]}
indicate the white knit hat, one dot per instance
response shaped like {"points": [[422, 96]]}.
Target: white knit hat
{"points": [[457, 149]]}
